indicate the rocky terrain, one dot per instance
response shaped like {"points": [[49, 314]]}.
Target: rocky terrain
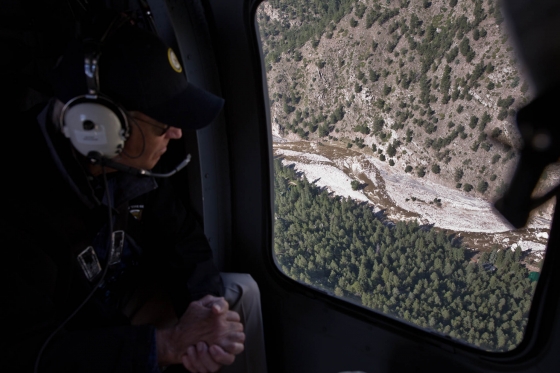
{"points": [[415, 100]]}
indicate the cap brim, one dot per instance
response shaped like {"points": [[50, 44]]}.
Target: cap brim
{"points": [[192, 109]]}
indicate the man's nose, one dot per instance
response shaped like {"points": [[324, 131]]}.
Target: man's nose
{"points": [[174, 133]]}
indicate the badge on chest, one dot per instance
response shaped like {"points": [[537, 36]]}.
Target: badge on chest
{"points": [[89, 262]]}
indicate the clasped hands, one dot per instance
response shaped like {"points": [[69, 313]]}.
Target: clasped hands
{"points": [[207, 336]]}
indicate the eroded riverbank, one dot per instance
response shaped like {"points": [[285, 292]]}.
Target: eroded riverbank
{"points": [[406, 197]]}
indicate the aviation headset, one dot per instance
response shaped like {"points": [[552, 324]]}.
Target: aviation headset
{"points": [[94, 123]]}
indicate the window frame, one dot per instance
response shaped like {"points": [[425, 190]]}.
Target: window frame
{"points": [[543, 304]]}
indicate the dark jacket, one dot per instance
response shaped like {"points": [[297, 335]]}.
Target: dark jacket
{"points": [[50, 215]]}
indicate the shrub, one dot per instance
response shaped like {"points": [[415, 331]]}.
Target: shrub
{"points": [[371, 17], [467, 187], [496, 132], [362, 128], [453, 53], [324, 130], [373, 76], [436, 169], [473, 122], [464, 46], [378, 125], [409, 134], [359, 142], [506, 102], [386, 89], [476, 34], [360, 10]]}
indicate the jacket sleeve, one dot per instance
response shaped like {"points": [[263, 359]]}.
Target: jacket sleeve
{"points": [[177, 242]]}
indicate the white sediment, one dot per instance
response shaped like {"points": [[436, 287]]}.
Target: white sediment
{"points": [[458, 212]]}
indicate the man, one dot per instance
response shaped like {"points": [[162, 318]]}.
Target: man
{"points": [[105, 269]]}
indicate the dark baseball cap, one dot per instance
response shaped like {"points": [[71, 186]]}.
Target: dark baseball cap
{"points": [[139, 72]]}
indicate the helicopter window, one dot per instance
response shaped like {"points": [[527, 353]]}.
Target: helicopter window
{"points": [[393, 129]]}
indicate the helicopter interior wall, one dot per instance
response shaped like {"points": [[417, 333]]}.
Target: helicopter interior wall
{"points": [[207, 183]]}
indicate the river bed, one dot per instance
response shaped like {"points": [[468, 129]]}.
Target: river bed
{"points": [[405, 197]]}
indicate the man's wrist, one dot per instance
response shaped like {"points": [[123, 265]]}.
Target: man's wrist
{"points": [[164, 350]]}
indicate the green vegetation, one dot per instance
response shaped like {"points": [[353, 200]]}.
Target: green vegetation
{"points": [[436, 169], [415, 273], [316, 18], [458, 174]]}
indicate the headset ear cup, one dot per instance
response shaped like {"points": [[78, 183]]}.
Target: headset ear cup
{"points": [[95, 125]]}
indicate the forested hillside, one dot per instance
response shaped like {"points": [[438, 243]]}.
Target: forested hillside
{"points": [[431, 87], [415, 273]]}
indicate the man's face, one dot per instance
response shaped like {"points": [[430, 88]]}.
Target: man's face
{"points": [[147, 141]]}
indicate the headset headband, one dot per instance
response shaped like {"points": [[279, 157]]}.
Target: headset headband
{"points": [[94, 122]]}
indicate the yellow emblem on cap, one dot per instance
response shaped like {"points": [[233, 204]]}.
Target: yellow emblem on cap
{"points": [[174, 61]]}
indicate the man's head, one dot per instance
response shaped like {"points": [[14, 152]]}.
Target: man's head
{"points": [[147, 142], [119, 92]]}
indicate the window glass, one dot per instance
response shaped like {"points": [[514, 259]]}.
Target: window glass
{"points": [[394, 131]]}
